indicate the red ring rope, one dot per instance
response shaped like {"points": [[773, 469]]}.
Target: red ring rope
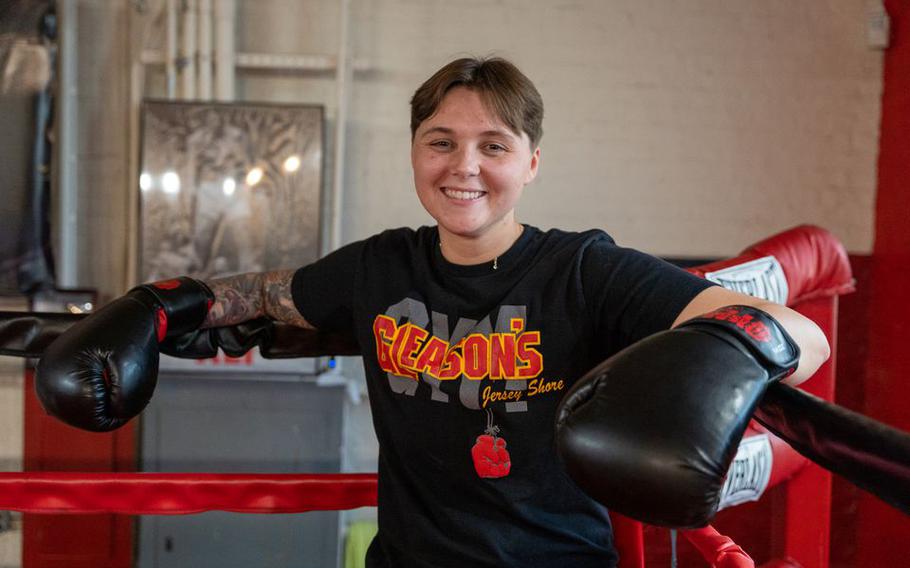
{"points": [[187, 493], [184, 493], [717, 549]]}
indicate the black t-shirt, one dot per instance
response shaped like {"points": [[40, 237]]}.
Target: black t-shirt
{"points": [[465, 366]]}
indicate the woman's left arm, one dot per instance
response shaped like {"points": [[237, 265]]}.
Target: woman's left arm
{"points": [[813, 345]]}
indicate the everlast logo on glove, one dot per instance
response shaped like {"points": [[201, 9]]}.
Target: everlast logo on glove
{"points": [[761, 278], [765, 338], [749, 473], [746, 322]]}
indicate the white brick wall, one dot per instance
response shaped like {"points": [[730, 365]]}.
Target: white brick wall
{"points": [[11, 549], [12, 371], [103, 219], [11, 440], [683, 128]]}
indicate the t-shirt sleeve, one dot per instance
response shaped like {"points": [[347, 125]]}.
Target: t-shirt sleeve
{"points": [[632, 295], [323, 291]]}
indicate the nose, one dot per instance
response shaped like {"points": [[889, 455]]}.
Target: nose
{"points": [[465, 162]]}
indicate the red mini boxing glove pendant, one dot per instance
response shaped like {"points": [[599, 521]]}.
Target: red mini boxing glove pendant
{"points": [[491, 459]]}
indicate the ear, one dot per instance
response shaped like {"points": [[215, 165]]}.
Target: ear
{"points": [[532, 167]]}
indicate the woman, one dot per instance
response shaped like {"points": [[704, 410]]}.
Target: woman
{"points": [[473, 330]]}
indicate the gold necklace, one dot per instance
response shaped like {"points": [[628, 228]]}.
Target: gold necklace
{"points": [[521, 229]]}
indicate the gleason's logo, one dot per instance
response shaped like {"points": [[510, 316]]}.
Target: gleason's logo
{"points": [[408, 350]]}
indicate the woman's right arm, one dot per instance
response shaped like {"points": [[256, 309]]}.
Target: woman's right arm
{"points": [[248, 296]]}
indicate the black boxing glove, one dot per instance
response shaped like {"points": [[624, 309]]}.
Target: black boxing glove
{"points": [[275, 340], [102, 371], [651, 431], [234, 340]]}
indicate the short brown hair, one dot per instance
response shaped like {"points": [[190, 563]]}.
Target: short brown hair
{"points": [[505, 90]]}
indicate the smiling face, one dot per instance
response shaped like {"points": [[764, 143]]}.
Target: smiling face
{"points": [[470, 170]]}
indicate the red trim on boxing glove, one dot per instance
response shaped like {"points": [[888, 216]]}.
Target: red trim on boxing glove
{"points": [[161, 324], [181, 304], [171, 284], [764, 337]]}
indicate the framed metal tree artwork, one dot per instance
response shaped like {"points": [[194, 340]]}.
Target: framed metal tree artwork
{"points": [[228, 188]]}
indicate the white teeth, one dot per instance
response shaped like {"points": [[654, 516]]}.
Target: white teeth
{"points": [[458, 194]]}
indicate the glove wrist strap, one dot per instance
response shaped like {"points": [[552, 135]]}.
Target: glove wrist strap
{"points": [[183, 304], [761, 334]]}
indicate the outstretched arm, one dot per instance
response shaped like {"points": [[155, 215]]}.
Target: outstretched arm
{"points": [[247, 296], [812, 342]]}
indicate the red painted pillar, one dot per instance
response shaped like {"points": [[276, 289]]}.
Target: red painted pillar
{"points": [[75, 541], [803, 517], [882, 531]]}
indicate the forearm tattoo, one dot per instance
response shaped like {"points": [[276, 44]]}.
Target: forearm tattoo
{"points": [[277, 301], [237, 299], [247, 296]]}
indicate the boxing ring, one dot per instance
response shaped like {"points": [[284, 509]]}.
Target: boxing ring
{"points": [[804, 267]]}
